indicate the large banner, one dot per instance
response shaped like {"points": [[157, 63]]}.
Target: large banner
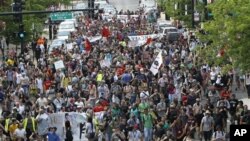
{"points": [[76, 120], [143, 37]]}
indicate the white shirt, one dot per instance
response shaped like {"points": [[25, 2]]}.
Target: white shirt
{"points": [[39, 84], [144, 94], [212, 75], [134, 135], [79, 104], [219, 135], [20, 132], [41, 101], [90, 128], [18, 78]]}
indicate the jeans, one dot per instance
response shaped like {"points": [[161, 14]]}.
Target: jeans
{"points": [[207, 135], [148, 134], [26, 89]]}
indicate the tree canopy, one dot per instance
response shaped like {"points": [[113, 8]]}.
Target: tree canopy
{"points": [[229, 32], [176, 9], [36, 20]]}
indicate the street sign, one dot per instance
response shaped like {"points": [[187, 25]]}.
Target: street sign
{"points": [[60, 16], [196, 17]]}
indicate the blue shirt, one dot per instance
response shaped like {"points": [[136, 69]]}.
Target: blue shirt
{"points": [[53, 137]]}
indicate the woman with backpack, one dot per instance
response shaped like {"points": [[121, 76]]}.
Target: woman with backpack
{"points": [[219, 134]]}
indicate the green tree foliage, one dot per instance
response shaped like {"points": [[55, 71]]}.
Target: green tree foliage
{"points": [[179, 13], [28, 20], [228, 31]]}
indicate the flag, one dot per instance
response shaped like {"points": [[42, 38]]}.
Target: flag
{"points": [[221, 53], [87, 45], [149, 40], [156, 64], [105, 32]]}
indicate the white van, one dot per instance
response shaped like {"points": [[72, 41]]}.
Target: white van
{"points": [[67, 26], [171, 33], [74, 20]]}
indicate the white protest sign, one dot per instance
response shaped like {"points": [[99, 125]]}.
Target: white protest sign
{"points": [[95, 38], [69, 46], [105, 63], [143, 37], [59, 65], [122, 17], [156, 64], [136, 43]]}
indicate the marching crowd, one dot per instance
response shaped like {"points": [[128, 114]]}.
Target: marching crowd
{"points": [[183, 101]]}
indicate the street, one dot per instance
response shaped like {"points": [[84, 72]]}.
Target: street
{"points": [[125, 4]]}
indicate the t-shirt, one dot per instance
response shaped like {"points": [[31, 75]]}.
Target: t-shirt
{"points": [[147, 120], [20, 133], [207, 123], [134, 135], [53, 137]]}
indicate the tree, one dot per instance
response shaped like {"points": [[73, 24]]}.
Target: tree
{"points": [[229, 31], [28, 20], [176, 9]]}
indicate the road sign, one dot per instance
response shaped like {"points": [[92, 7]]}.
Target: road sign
{"points": [[196, 17], [60, 16]]}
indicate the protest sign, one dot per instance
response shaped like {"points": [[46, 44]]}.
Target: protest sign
{"points": [[59, 65], [69, 46], [136, 43], [156, 64], [95, 38], [105, 63]]}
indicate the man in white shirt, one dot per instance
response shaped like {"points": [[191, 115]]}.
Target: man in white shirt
{"points": [[41, 101], [135, 134], [207, 124]]}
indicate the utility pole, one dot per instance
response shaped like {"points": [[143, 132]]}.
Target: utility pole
{"points": [[205, 10], [91, 5], [18, 6]]}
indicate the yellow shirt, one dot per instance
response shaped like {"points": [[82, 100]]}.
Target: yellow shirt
{"points": [[10, 62], [65, 81], [13, 127]]}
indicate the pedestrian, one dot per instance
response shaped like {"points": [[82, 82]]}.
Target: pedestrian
{"points": [[52, 136]]}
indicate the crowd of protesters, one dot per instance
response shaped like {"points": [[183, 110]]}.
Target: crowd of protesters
{"points": [[183, 101]]}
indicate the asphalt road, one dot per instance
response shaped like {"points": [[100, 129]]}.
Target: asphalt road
{"points": [[131, 5]]}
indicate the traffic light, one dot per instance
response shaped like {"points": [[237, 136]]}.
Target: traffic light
{"points": [[91, 3], [18, 6], [21, 33]]}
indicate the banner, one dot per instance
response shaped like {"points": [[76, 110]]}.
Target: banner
{"points": [[59, 65], [122, 17], [136, 43], [95, 38], [157, 63], [143, 37], [58, 120]]}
